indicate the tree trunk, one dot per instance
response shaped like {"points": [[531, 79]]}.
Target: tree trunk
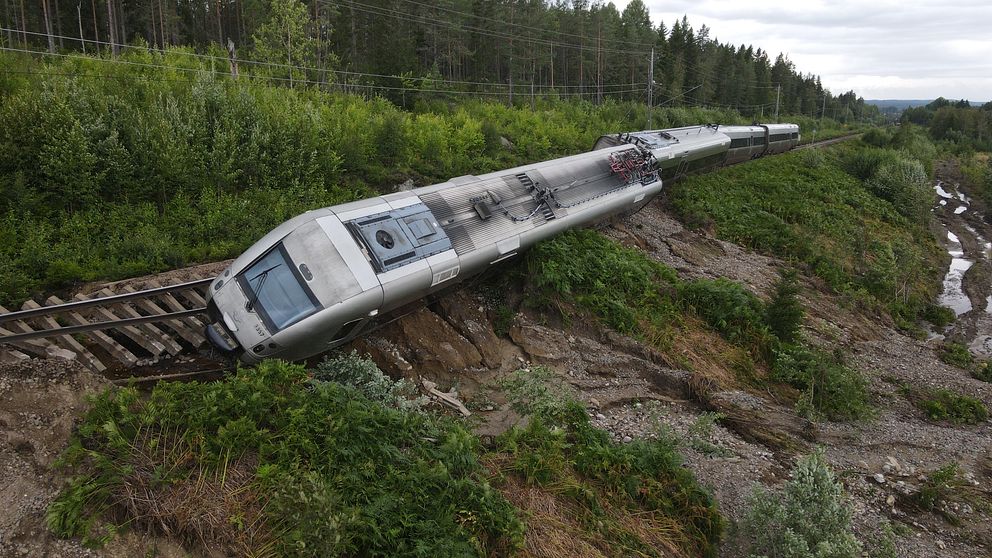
{"points": [[112, 26], [8, 21], [220, 23], [24, 26], [120, 18], [48, 26], [96, 26], [161, 21], [79, 15], [58, 23]]}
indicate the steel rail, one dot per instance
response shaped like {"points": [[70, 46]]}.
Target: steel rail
{"points": [[101, 301], [108, 324]]}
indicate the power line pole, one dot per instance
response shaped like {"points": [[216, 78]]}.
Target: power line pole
{"points": [[651, 90], [823, 110], [778, 92]]}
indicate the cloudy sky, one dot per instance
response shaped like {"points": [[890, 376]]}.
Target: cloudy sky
{"points": [[881, 49]]}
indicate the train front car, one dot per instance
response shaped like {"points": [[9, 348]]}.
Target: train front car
{"points": [[321, 279]]}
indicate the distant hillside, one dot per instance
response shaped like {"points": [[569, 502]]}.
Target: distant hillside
{"points": [[901, 104]]}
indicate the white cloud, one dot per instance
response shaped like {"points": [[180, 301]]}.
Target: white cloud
{"points": [[883, 49]]}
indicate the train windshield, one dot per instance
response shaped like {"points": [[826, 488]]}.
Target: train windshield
{"points": [[276, 291]]}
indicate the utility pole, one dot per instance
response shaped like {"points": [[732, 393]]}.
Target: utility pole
{"points": [[778, 91], [823, 110], [651, 90]]}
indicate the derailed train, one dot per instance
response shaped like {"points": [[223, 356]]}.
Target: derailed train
{"points": [[321, 279]]}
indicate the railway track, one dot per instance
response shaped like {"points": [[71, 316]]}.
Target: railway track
{"points": [[109, 329], [121, 327]]}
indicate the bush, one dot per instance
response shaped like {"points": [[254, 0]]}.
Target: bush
{"points": [[810, 519], [829, 388], [938, 486], [957, 354], [982, 371], [785, 312], [728, 308], [945, 405], [605, 483], [876, 137], [287, 465], [939, 316], [364, 375]]}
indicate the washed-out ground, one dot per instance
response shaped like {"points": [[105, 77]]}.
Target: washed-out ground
{"points": [[632, 391]]}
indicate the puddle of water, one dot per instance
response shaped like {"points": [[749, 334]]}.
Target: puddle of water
{"points": [[961, 209], [953, 296], [939, 188], [943, 202]]}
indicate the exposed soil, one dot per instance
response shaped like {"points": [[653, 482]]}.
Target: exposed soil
{"points": [[632, 391]]}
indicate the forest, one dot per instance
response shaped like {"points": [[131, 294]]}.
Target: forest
{"points": [[510, 50], [959, 123]]}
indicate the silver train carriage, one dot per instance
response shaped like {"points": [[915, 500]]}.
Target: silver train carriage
{"points": [[320, 279]]}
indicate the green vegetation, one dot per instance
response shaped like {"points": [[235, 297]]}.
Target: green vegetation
{"points": [[957, 125], [957, 354], [939, 485], [829, 388], [601, 483], [279, 460], [809, 519], [945, 405], [982, 371], [287, 465], [636, 295], [158, 160], [857, 219], [545, 50]]}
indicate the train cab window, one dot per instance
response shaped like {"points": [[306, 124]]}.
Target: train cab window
{"points": [[276, 291], [739, 142]]}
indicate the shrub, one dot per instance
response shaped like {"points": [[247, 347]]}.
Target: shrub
{"points": [[944, 404], [287, 465], [809, 519], [604, 482], [939, 316], [957, 354], [785, 312], [829, 388], [364, 375], [728, 308], [876, 137], [938, 486], [864, 163], [982, 371]]}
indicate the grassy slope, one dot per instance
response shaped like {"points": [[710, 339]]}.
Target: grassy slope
{"points": [[805, 207]]}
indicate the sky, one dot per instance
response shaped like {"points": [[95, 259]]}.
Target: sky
{"points": [[881, 49]]}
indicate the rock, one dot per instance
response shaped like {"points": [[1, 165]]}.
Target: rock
{"points": [[471, 321], [879, 478], [422, 341], [627, 439], [594, 403], [893, 464], [507, 144], [891, 500], [941, 545], [600, 416], [539, 341], [406, 186]]}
